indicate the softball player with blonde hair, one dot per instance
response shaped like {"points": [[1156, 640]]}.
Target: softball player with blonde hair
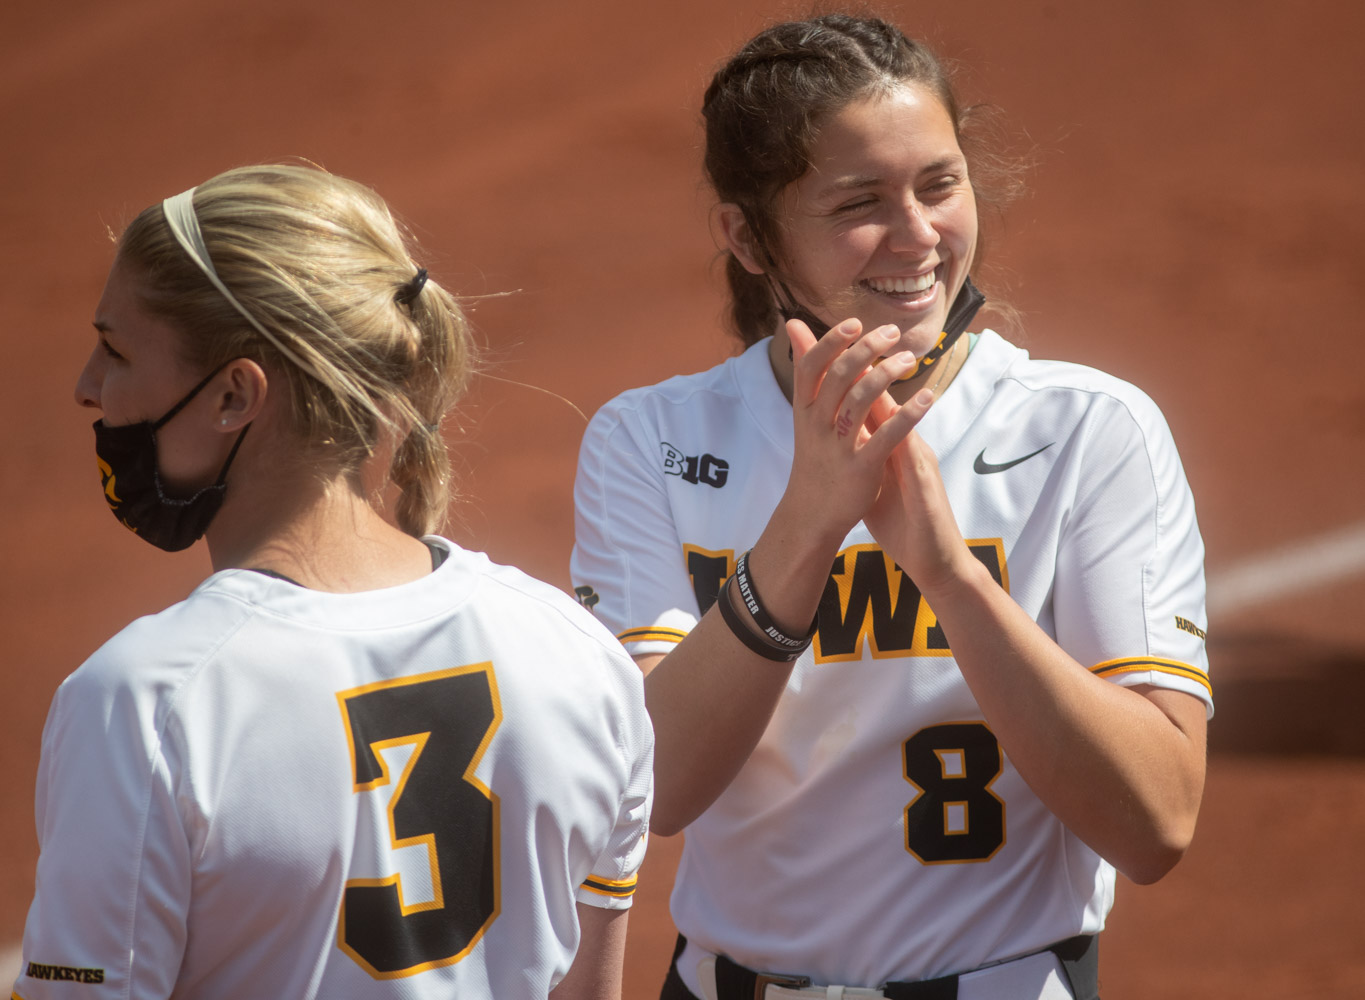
{"points": [[358, 760], [921, 615]]}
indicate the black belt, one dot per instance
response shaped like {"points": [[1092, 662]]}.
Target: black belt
{"points": [[1079, 957]]}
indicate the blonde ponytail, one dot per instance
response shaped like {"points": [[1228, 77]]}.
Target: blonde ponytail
{"points": [[328, 281]]}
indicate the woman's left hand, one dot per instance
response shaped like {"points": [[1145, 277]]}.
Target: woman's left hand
{"points": [[911, 518]]}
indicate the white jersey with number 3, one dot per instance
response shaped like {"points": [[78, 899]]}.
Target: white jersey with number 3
{"points": [[267, 791], [878, 832]]}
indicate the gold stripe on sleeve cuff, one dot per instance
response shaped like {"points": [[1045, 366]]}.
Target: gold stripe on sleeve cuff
{"points": [[651, 633], [620, 888], [1138, 664]]}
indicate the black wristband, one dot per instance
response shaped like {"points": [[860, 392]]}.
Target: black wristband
{"points": [[762, 619], [743, 633]]}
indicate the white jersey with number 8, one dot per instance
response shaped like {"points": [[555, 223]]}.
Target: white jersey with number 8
{"points": [[878, 832]]}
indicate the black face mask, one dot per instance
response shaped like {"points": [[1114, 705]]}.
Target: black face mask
{"points": [[133, 487], [964, 308]]}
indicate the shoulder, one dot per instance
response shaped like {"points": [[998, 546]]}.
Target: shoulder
{"points": [[163, 648], [726, 383], [734, 402], [551, 649], [130, 688], [1093, 396], [544, 614]]}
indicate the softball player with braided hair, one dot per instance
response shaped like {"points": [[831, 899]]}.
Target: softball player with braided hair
{"points": [[919, 613], [358, 760]]}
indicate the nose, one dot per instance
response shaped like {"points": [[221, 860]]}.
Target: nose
{"points": [[911, 230], [91, 380]]}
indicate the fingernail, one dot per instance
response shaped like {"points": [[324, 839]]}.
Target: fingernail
{"points": [[924, 397], [888, 333]]}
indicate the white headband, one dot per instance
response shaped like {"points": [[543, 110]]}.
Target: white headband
{"points": [[185, 225]]}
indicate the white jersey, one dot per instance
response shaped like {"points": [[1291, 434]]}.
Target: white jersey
{"points": [[877, 833], [267, 791]]}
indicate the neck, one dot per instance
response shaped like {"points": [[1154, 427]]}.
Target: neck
{"points": [[936, 378], [322, 533]]}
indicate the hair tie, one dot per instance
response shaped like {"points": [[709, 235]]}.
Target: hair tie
{"points": [[407, 293]]}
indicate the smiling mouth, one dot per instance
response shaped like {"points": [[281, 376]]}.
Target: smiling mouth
{"points": [[913, 286]]}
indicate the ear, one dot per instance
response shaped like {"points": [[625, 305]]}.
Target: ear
{"points": [[739, 238], [241, 389]]}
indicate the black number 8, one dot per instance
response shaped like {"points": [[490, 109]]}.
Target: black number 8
{"points": [[448, 717], [955, 818]]}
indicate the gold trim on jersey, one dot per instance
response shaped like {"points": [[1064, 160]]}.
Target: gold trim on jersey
{"points": [[869, 599], [948, 834], [961, 828], [419, 742], [1140, 664], [427, 840], [619, 888], [651, 633]]}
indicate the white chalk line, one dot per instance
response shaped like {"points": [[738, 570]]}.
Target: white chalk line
{"points": [[1261, 579], [1290, 570]]}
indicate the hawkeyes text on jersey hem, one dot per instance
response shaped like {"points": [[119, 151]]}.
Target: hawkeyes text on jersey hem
{"points": [[984, 468]]}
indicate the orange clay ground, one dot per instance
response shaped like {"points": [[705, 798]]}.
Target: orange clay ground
{"points": [[1194, 226]]}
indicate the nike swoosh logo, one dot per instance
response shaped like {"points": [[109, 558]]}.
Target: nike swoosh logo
{"points": [[984, 468]]}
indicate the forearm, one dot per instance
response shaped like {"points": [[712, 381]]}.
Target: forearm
{"points": [[597, 967], [711, 698], [1123, 771]]}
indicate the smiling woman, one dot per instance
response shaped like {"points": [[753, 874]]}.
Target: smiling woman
{"points": [[920, 662], [882, 225]]}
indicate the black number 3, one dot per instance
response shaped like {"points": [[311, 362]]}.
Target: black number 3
{"points": [[446, 719], [956, 817]]}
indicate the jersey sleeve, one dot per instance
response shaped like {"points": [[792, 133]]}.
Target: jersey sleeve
{"points": [[611, 884], [113, 879], [1129, 598], [627, 566]]}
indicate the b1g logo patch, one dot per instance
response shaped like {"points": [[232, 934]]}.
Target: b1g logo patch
{"points": [[586, 596], [706, 469]]}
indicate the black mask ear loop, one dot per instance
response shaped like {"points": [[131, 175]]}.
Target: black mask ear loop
{"points": [[791, 309], [222, 473], [185, 400], [787, 305]]}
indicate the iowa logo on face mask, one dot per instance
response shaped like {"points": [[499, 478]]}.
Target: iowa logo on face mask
{"points": [[107, 481]]}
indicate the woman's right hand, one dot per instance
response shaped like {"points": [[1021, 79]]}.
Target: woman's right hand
{"points": [[840, 460]]}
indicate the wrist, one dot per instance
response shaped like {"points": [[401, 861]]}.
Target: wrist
{"points": [[743, 612], [797, 542], [791, 579], [961, 578]]}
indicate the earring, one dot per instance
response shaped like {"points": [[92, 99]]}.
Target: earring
{"points": [[223, 422]]}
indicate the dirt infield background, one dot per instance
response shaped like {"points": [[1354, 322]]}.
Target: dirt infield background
{"points": [[1195, 226]]}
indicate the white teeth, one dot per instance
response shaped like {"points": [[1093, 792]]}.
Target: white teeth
{"points": [[916, 284]]}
